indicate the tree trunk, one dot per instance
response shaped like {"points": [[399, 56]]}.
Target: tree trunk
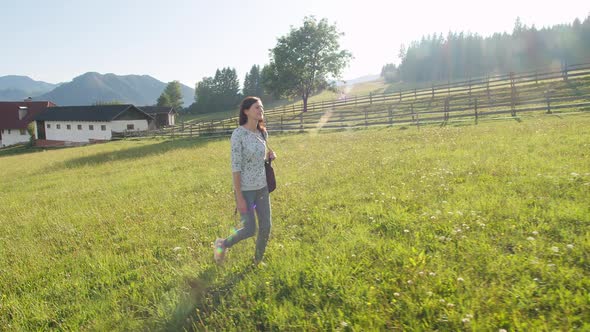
{"points": [[305, 96]]}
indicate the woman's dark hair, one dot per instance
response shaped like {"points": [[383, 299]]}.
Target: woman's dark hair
{"points": [[246, 104]]}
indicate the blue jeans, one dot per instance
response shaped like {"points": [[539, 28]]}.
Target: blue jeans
{"points": [[259, 201]]}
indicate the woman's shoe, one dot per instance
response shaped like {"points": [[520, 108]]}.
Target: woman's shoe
{"points": [[219, 250]]}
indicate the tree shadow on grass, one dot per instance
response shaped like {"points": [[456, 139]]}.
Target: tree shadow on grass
{"points": [[133, 153], [202, 298]]}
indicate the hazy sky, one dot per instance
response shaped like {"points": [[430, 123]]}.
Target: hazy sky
{"points": [[185, 40]]}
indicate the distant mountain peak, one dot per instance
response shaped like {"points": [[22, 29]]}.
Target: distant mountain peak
{"points": [[90, 88], [19, 87], [93, 87]]}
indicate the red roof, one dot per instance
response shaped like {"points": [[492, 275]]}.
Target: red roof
{"points": [[9, 113]]}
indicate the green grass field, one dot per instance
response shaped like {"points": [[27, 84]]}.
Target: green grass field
{"points": [[435, 228]]}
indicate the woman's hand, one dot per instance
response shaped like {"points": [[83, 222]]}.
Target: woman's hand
{"points": [[241, 204], [272, 155]]}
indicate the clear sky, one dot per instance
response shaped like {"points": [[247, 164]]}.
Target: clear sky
{"points": [[185, 40]]}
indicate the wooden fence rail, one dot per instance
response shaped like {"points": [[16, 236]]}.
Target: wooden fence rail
{"points": [[479, 98]]}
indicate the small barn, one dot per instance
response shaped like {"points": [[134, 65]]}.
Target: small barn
{"points": [[15, 118], [86, 124], [163, 115]]}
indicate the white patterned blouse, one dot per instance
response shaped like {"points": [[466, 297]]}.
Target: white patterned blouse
{"points": [[248, 150]]}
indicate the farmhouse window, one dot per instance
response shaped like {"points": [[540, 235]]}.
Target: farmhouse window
{"points": [[23, 132], [129, 127], [91, 127], [8, 131], [58, 126], [48, 126], [69, 127], [79, 127], [103, 127]]}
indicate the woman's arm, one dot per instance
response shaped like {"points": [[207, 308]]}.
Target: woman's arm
{"points": [[271, 155], [240, 201], [236, 162]]}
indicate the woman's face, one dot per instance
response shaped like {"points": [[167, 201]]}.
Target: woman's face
{"points": [[256, 111]]}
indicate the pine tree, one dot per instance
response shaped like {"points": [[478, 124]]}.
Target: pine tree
{"points": [[253, 82]]}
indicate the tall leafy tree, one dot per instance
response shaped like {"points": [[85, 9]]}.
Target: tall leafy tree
{"points": [[164, 100], [204, 95], [306, 60], [171, 96]]}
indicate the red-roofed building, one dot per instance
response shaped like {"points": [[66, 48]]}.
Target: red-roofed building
{"points": [[15, 118]]}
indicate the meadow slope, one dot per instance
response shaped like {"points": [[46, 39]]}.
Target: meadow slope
{"points": [[478, 227]]}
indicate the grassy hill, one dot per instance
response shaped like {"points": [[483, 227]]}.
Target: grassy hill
{"points": [[439, 228]]}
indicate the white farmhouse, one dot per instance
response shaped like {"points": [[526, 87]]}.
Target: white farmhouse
{"points": [[84, 124], [15, 118]]}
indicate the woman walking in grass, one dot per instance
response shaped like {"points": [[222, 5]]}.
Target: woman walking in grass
{"points": [[248, 153]]}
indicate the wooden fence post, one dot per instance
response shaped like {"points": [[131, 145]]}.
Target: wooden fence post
{"points": [[488, 86], [449, 87], [191, 130], [400, 95], [512, 95], [412, 110], [476, 114], [366, 122], [370, 98], [301, 121], [433, 91], [548, 105], [415, 93], [390, 111], [565, 72], [470, 86], [536, 77], [281, 124], [446, 113]]}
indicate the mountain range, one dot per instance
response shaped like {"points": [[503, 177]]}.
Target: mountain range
{"points": [[13, 87], [90, 88]]}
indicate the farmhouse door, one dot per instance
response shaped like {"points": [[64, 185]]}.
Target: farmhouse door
{"points": [[40, 129]]}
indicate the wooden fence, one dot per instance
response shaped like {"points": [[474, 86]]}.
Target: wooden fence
{"points": [[482, 98]]}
